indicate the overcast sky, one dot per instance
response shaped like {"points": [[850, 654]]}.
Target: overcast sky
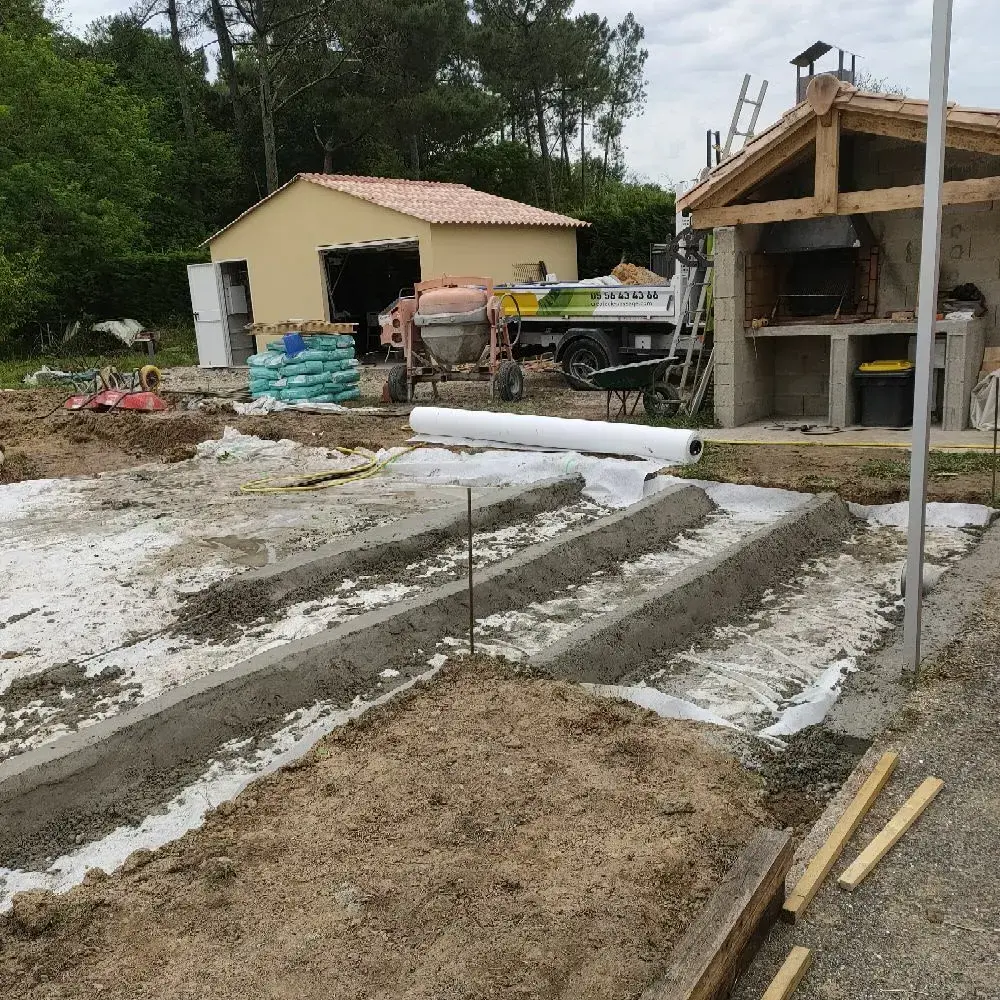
{"points": [[699, 51]]}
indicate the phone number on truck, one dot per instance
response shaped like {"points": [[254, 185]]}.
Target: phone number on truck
{"points": [[646, 296]]}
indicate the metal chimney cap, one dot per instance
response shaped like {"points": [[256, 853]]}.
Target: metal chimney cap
{"points": [[815, 51]]}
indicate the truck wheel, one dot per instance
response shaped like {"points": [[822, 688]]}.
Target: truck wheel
{"points": [[582, 358], [508, 383], [398, 386], [661, 402]]}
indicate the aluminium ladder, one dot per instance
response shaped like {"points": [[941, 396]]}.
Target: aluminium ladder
{"points": [[734, 128]]}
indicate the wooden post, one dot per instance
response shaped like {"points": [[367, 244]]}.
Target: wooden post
{"points": [[827, 162]]}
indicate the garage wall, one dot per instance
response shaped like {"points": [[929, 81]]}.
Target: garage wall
{"points": [[492, 251], [279, 242]]}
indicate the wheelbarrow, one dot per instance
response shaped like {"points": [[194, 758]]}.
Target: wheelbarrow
{"points": [[645, 380], [108, 389]]}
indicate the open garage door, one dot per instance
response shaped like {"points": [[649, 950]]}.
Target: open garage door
{"points": [[363, 278]]}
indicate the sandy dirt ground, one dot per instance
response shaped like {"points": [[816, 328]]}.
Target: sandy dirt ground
{"points": [[485, 836], [861, 475], [926, 922], [40, 440]]}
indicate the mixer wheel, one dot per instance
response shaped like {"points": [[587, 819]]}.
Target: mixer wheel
{"points": [[399, 389], [508, 383]]}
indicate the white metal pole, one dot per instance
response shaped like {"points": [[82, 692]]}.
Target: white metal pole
{"points": [[930, 259]]}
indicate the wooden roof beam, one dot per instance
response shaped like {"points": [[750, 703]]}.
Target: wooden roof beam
{"points": [[760, 167], [895, 199], [915, 130]]}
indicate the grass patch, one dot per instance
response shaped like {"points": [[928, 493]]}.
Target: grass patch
{"points": [[713, 467], [176, 348], [885, 468], [946, 463]]}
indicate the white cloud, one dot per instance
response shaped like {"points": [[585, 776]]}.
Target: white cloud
{"points": [[700, 49], [698, 53]]}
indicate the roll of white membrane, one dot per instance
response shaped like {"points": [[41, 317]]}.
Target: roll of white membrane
{"points": [[666, 444]]}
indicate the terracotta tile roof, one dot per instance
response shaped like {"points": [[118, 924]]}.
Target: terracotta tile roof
{"points": [[432, 201], [441, 203]]}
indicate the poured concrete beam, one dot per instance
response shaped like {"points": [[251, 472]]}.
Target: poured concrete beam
{"points": [[120, 770], [611, 647]]}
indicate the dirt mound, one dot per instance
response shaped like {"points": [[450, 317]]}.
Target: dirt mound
{"points": [[488, 836], [41, 440]]}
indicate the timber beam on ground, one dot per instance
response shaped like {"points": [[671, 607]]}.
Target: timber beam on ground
{"points": [[726, 935]]}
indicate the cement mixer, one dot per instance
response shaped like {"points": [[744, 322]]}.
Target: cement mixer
{"points": [[453, 330]]}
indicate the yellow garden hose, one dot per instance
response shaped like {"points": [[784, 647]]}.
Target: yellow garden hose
{"points": [[902, 445], [321, 480]]}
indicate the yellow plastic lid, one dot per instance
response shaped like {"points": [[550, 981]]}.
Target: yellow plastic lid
{"points": [[886, 366]]}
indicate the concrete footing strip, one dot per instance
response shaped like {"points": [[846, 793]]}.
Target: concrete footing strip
{"points": [[119, 770], [380, 551], [612, 647]]}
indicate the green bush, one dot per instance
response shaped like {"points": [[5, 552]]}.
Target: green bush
{"points": [[150, 287], [624, 220]]}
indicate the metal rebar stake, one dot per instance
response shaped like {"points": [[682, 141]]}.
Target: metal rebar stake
{"points": [[472, 613], [996, 414]]}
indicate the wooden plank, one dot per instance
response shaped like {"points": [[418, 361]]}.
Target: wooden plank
{"points": [[722, 939], [827, 164], [765, 211], [915, 130], [828, 855], [757, 166], [789, 975], [891, 834]]}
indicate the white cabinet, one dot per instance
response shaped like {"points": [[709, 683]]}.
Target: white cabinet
{"points": [[220, 302]]}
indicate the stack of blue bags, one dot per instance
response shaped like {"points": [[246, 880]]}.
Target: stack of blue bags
{"points": [[318, 368]]}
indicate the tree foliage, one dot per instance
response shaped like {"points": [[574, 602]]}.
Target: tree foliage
{"points": [[77, 171], [137, 141]]}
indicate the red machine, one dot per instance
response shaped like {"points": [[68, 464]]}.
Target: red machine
{"points": [[117, 399], [109, 389], [452, 329]]}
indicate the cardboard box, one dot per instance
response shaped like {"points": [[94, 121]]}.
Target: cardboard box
{"points": [[991, 359]]}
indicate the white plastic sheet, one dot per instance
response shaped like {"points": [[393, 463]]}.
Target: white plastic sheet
{"points": [[665, 444], [612, 482], [983, 405]]}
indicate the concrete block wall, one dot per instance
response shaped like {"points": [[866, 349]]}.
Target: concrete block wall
{"points": [[964, 352], [801, 377], [744, 366], [846, 353], [970, 234]]}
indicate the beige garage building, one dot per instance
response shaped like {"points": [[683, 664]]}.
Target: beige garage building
{"points": [[339, 247]]}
